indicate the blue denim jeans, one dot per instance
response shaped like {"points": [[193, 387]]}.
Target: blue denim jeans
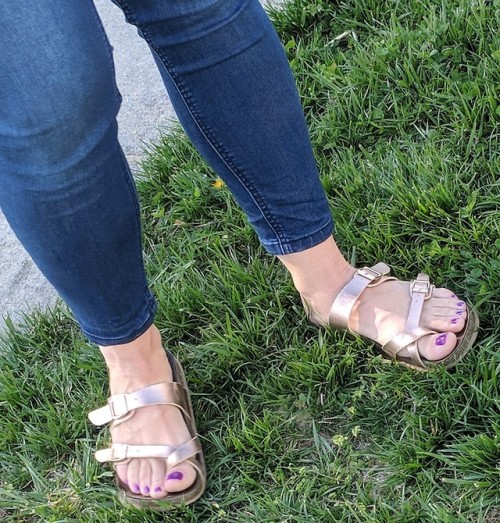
{"points": [[65, 186]]}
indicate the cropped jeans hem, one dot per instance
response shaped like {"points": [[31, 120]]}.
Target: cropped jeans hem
{"points": [[140, 323], [278, 248]]}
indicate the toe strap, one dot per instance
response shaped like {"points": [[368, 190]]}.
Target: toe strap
{"points": [[407, 340], [172, 453], [420, 290]]}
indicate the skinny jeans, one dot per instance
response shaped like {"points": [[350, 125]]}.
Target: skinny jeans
{"points": [[65, 186]]}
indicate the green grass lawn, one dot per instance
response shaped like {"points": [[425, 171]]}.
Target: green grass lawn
{"points": [[301, 425]]}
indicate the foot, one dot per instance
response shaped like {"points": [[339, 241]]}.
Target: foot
{"points": [[380, 312], [133, 366]]}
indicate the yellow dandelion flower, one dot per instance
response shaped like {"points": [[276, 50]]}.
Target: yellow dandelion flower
{"points": [[218, 184]]}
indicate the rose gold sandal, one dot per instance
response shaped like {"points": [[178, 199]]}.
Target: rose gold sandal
{"points": [[420, 290], [122, 406]]}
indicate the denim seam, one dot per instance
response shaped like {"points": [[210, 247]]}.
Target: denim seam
{"points": [[223, 155], [109, 47], [133, 193]]}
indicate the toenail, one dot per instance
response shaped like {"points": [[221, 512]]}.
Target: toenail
{"points": [[441, 340], [158, 489], [175, 475], [453, 295], [460, 312], [454, 321], [146, 490], [461, 303], [136, 488]]}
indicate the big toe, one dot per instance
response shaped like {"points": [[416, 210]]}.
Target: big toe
{"points": [[179, 478], [437, 346]]}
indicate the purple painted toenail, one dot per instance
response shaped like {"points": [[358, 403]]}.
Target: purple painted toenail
{"points": [[461, 303], [136, 488], [146, 490], [454, 321], [441, 340], [453, 295], [175, 475], [158, 489], [460, 312]]}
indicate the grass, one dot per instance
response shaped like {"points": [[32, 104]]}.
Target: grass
{"points": [[301, 425]]}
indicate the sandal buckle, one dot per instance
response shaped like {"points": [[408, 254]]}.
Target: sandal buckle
{"points": [[118, 452], [369, 273], [421, 287], [118, 406]]}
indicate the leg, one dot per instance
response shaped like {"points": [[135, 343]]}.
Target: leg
{"points": [[231, 86], [66, 189], [67, 192]]}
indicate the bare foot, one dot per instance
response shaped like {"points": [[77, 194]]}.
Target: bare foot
{"points": [[381, 312], [133, 366]]}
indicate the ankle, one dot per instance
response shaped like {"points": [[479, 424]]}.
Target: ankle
{"points": [[143, 353], [320, 270], [329, 288], [139, 363]]}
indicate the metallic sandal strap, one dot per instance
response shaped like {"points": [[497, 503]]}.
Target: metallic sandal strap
{"points": [[174, 454], [402, 340], [184, 452], [407, 340], [118, 406], [420, 290], [341, 308]]}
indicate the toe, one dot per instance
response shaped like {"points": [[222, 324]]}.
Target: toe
{"points": [[122, 473], [446, 323], [441, 292], [446, 294], [149, 477], [158, 471], [145, 476], [445, 298], [180, 478], [437, 346], [133, 476], [445, 312]]}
